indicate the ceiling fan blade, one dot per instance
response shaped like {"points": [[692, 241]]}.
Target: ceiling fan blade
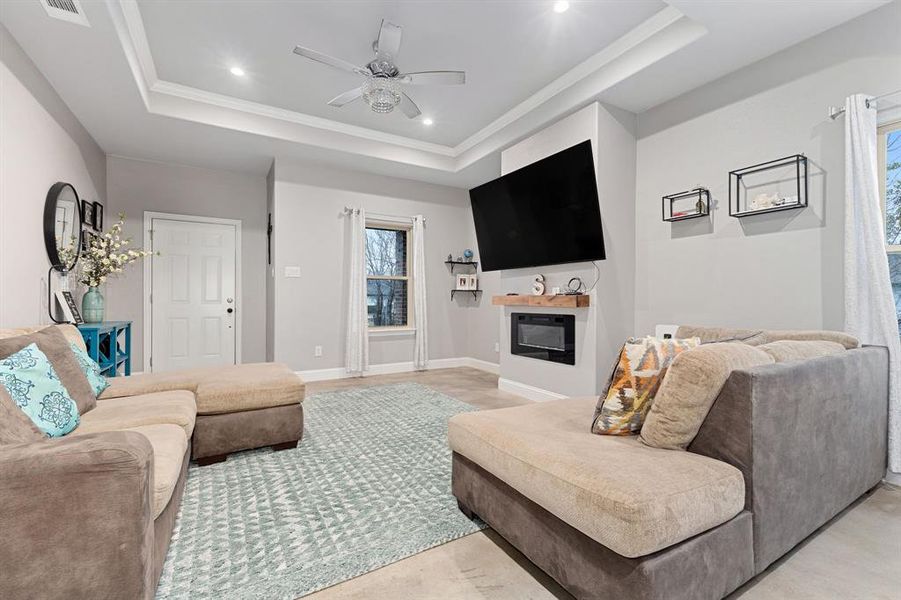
{"points": [[434, 78], [389, 38], [329, 60], [346, 97], [409, 107]]}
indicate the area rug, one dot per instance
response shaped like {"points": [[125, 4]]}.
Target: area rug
{"points": [[368, 485]]}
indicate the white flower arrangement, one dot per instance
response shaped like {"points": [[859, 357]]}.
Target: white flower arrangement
{"points": [[107, 256]]}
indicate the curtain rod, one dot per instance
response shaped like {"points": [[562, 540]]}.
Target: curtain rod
{"points": [[835, 111], [378, 216]]}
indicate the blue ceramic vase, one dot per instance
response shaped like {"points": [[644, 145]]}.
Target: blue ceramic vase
{"points": [[92, 306]]}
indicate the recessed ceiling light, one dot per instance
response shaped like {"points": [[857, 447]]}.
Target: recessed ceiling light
{"points": [[237, 71], [427, 121], [561, 6]]}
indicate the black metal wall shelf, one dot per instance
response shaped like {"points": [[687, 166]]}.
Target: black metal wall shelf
{"points": [[737, 182], [475, 293], [699, 198], [454, 263]]}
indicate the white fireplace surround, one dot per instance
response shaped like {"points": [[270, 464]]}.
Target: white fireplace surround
{"points": [[601, 327]]}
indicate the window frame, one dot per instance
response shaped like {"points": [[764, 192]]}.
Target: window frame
{"points": [[407, 229], [881, 137]]}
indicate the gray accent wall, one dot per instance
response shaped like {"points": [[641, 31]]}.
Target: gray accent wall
{"points": [[782, 270], [41, 142], [136, 186], [311, 233]]}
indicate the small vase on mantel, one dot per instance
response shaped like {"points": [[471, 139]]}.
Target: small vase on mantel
{"points": [[92, 305]]}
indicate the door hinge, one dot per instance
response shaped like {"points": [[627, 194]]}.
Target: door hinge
{"points": [[151, 363]]}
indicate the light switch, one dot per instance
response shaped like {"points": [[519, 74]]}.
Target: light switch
{"points": [[292, 271]]}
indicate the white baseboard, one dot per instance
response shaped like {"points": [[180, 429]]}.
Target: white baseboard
{"points": [[482, 365], [527, 391], [893, 478], [400, 367]]}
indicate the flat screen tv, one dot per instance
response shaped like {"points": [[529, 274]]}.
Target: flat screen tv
{"points": [[546, 213]]}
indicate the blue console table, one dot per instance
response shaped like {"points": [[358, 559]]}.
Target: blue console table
{"points": [[109, 344]]}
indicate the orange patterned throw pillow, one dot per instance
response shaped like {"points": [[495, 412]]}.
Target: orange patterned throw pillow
{"points": [[636, 378]]}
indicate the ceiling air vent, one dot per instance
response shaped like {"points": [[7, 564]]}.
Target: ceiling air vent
{"points": [[67, 10]]}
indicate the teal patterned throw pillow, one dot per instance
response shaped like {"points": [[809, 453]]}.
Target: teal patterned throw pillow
{"points": [[34, 386], [91, 370]]}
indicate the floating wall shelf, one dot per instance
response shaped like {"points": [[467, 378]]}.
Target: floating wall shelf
{"points": [[558, 301], [756, 177], [686, 205], [475, 293], [454, 263]]}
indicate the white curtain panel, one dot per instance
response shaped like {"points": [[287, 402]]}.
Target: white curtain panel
{"points": [[869, 303], [420, 304], [356, 353]]}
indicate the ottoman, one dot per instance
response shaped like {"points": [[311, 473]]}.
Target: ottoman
{"points": [[238, 407], [247, 406]]}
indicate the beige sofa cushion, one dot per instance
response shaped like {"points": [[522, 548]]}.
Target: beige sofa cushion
{"points": [[150, 383], [716, 335], [786, 350], [172, 408], [169, 447], [757, 337], [633, 499], [219, 389], [690, 387], [250, 387], [801, 335]]}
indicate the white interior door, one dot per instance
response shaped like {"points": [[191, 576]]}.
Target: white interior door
{"points": [[193, 294]]}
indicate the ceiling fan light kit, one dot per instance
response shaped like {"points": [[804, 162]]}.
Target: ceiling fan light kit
{"points": [[381, 94], [383, 88]]}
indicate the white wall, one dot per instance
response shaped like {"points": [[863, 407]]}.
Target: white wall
{"points": [[778, 270], [136, 186], [601, 328], [310, 233], [41, 142]]}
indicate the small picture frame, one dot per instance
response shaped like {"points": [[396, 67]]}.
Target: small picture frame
{"points": [[97, 220], [87, 213], [87, 238], [69, 307], [473, 281], [463, 282]]}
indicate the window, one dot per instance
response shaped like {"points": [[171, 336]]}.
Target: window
{"points": [[890, 184], [387, 276]]}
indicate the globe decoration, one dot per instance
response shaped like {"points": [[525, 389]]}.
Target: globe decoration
{"points": [[467, 255]]}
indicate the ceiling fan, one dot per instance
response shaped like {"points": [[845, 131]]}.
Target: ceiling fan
{"points": [[383, 88]]}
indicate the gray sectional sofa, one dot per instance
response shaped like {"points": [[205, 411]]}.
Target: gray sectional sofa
{"points": [[784, 449], [91, 514]]}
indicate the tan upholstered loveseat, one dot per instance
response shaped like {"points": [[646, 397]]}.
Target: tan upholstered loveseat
{"points": [[90, 515]]}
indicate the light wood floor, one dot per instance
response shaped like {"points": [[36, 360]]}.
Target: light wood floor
{"points": [[856, 556]]}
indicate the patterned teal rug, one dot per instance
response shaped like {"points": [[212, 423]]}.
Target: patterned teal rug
{"points": [[368, 485]]}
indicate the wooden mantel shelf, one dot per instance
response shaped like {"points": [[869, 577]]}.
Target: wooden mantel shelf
{"points": [[560, 301]]}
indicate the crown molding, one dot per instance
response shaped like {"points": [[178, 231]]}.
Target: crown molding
{"points": [[640, 34], [662, 34]]}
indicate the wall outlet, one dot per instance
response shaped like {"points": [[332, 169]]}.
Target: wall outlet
{"points": [[497, 346], [317, 351]]}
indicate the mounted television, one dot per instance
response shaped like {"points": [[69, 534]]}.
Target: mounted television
{"points": [[546, 213]]}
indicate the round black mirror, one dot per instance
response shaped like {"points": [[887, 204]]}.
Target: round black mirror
{"points": [[62, 226]]}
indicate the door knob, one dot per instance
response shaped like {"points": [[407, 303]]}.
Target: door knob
{"points": [[230, 310]]}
